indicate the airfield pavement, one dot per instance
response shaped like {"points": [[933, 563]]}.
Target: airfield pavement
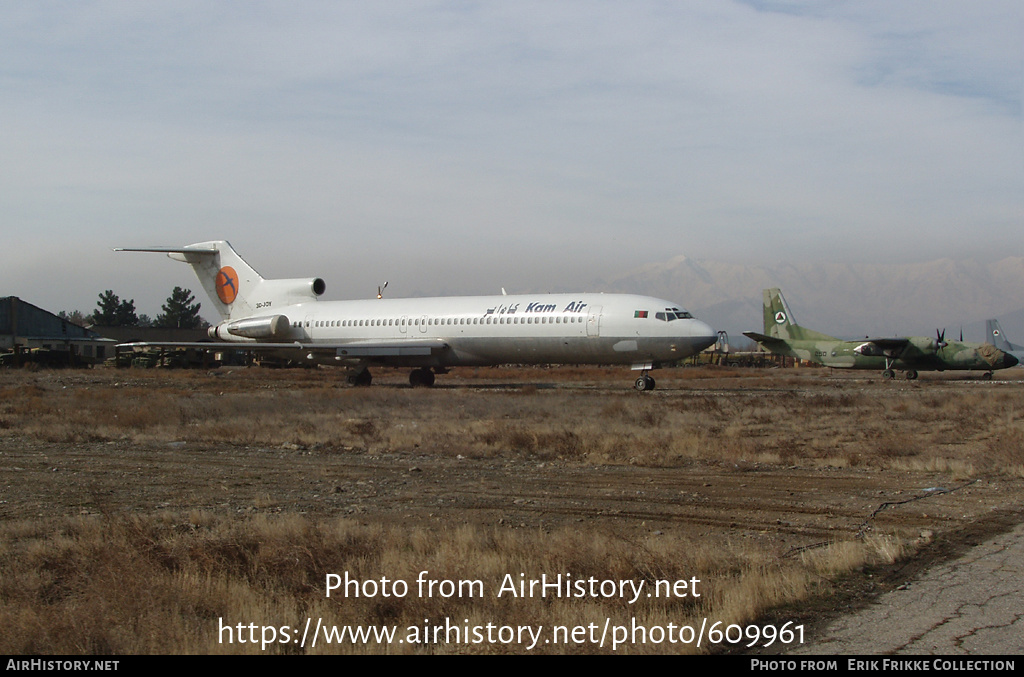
{"points": [[970, 605]]}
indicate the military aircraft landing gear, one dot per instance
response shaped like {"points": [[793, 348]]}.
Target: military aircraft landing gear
{"points": [[421, 377], [359, 378], [911, 375], [889, 374], [643, 383], [987, 376]]}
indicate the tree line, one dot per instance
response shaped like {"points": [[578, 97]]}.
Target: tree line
{"points": [[180, 311]]}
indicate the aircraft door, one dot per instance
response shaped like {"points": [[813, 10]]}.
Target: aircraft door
{"points": [[307, 326], [402, 329], [594, 321], [423, 324]]}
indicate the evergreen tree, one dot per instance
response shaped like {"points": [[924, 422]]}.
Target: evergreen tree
{"points": [[106, 309], [180, 311], [126, 316], [74, 317], [113, 312]]}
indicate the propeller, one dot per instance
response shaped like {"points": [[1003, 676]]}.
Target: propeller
{"points": [[940, 342]]}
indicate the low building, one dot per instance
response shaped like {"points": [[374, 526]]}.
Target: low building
{"points": [[30, 334]]}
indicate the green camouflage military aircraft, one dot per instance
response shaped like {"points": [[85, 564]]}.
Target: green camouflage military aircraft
{"points": [[909, 354]]}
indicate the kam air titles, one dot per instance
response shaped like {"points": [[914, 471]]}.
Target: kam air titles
{"points": [[536, 307]]}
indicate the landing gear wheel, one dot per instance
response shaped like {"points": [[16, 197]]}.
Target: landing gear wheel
{"points": [[359, 378], [987, 376], [911, 375], [888, 374], [421, 377], [644, 383]]}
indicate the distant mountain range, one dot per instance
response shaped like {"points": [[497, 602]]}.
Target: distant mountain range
{"points": [[848, 300]]}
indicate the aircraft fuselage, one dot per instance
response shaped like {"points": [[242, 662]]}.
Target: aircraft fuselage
{"points": [[284, 318], [580, 328], [843, 355]]}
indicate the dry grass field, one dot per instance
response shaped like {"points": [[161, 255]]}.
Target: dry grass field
{"points": [[145, 511]]}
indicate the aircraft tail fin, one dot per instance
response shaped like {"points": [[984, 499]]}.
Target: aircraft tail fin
{"points": [[779, 322], [235, 288], [994, 334]]}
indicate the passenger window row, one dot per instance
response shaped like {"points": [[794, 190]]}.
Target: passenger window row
{"points": [[446, 321]]}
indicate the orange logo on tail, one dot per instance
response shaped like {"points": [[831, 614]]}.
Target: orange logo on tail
{"points": [[227, 284]]}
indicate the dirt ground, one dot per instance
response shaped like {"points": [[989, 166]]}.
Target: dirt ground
{"points": [[782, 508]]}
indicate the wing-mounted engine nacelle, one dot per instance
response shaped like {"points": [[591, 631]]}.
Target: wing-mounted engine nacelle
{"points": [[869, 350], [927, 345], [268, 327]]}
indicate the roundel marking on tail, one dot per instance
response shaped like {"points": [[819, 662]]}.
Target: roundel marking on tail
{"points": [[227, 284], [780, 317]]}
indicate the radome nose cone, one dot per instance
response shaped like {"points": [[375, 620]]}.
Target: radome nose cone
{"points": [[1009, 360], [707, 334]]}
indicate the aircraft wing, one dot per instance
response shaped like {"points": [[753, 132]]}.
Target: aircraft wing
{"points": [[892, 348], [343, 349], [889, 343]]}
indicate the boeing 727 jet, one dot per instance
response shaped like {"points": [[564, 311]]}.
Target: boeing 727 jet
{"points": [[285, 318]]}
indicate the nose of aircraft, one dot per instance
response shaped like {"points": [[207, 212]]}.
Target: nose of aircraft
{"points": [[703, 335], [1010, 360]]}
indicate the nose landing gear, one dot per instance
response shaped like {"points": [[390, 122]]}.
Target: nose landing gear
{"points": [[643, 383]]}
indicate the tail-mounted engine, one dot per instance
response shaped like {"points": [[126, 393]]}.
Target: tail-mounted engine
{"points": [[268, 327], [291, 291]]}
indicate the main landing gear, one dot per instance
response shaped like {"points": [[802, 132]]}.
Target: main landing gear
{"points": [[361, 377], [643, 383], [421, 377], [424, 376], [890, 374]]}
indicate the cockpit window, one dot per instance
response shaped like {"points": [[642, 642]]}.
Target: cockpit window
{"points": [[673, 314]]}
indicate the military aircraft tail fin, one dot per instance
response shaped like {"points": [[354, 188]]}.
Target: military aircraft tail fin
{"points": [[235, 288], [994, 334], [779, 322]]}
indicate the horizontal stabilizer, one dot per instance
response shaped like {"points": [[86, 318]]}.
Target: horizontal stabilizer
{"points": [[169, 250], [761, 338]]}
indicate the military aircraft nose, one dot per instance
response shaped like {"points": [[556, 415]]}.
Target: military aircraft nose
{"points": [[1010, 360]]}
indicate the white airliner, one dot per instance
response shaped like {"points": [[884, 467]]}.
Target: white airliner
{"points": [[285, 318]]}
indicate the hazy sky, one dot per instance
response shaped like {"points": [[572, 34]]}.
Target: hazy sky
{"points": [[458, 147]]}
